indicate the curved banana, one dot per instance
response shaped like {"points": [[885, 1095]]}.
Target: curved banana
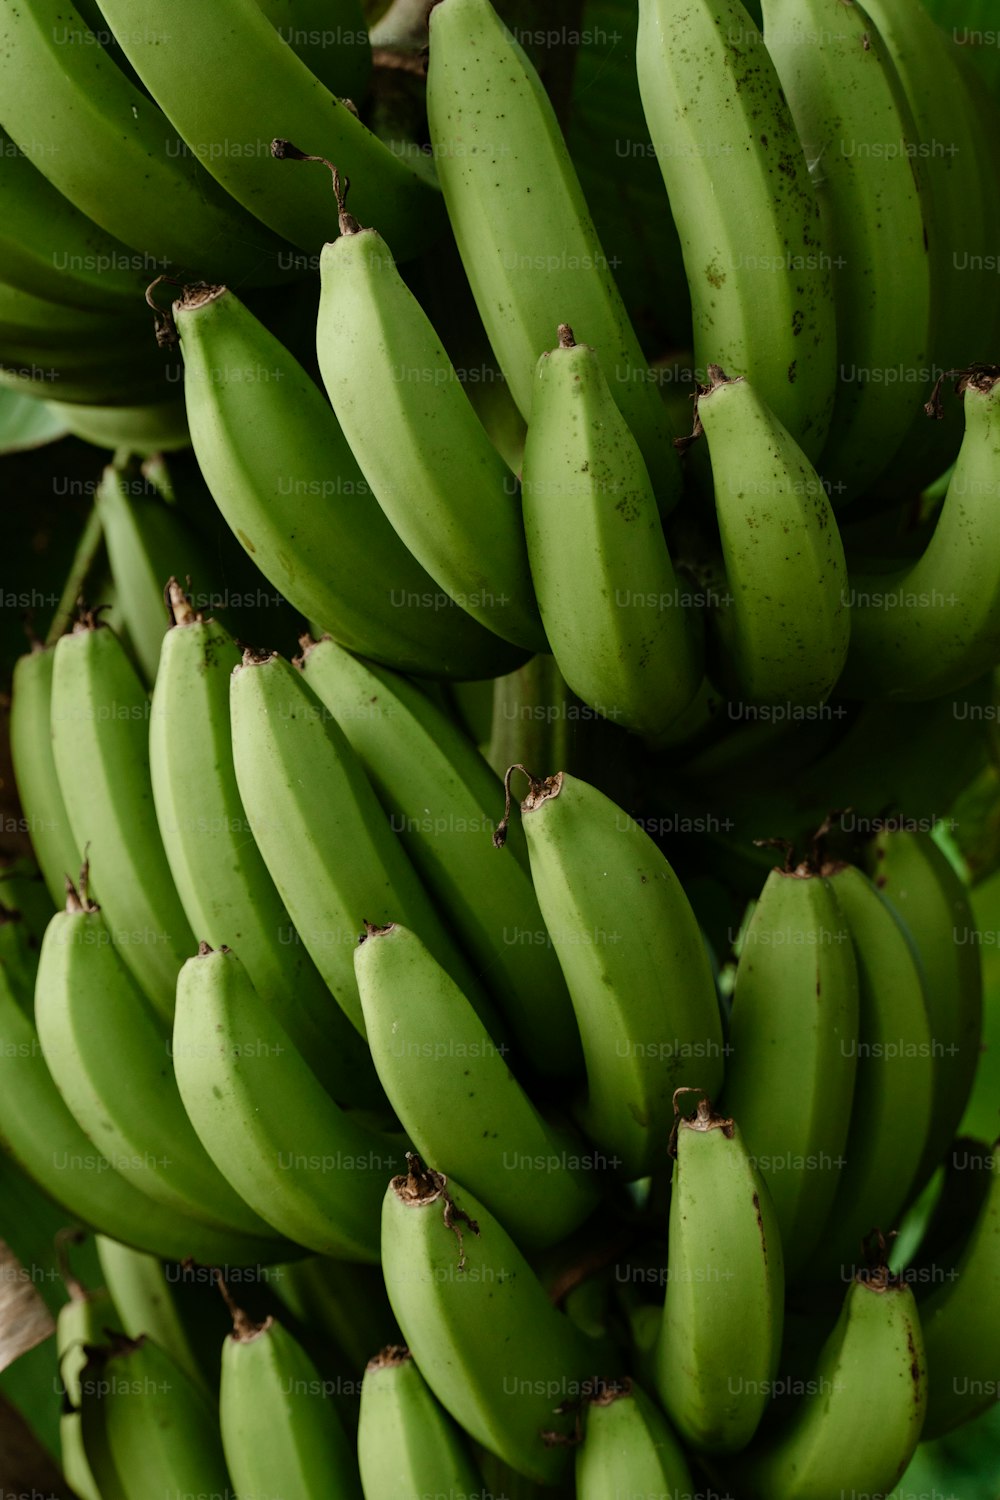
{"points": [[628, 1447], [40, 320], [871, 1365], [327, 844], [304, 1163], [720, 1339], [634, 959], [416, 437], [758, 267], [894, 1075], [144, 1302], [457, 1098], [344, 1301], [331, 39], [441, 798], [281, 472], [79, 1322], [35, 771], [100, 730], [523, 228], [610, 601], [917, 879], [160, 427], [108, 149], [228, 119], [407, 1443], [228, 896], [492, 1348], [861, 143], [792, 1050], [18, 956], [280, 1434], [786, 630], [933, 626]]}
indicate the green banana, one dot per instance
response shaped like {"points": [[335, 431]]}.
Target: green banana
{"points": [[427, 457], [331, 39], [143, 1299], [755, 252], [100, 728], [228, 896], [344, 1302], [611, 603], [523, 228], [84, 378], [792, 1056], [311, 1169], [786, 630], [18, 956], [720, 1339], [933, 626], [42, 322], [78, 1323], [894, 1076], [111, 152], [157, 428], [961, 1323], [228, 120], [457, 1098], [280, 1434], [108, 1054], [494, 1351], [628, 1447], [441, 798], [634, 960], [279, 467], [860, 140], [859, 1423], [327, 844], [408, 1446], [34, 768]]}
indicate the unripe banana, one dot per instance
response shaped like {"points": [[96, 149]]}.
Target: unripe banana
{"points": [[609, 597], [792, 1053], [634, 959], [144, 1301], [720, 1340], [79, 1322], [343, 1300], [35, 770], [457, 1098], [408, 1446], [786, 630], [628, 1447]]}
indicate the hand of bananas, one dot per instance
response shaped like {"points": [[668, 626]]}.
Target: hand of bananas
{"points": [[554, 1148]]}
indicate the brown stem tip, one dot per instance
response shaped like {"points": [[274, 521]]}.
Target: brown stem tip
{"points": [[286, 151], [539, 790]]}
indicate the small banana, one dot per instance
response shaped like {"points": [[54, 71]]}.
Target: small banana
{"points": [[792, 1050], [611, 603], [144, 1301], [35, 770], [78, 1323], [628, 1447], [634, 959], [786, 629], [160, 427], [457, 1098], [720, 1339], [408, 1446]]}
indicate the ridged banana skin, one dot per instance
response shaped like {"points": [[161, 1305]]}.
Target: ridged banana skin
{"points": [[934, 626], [720, 1340], [442, 798], [314, 1171], [894, 1078], [37, 1129], [857, 1429], [610, 600], [523, 228], [281, 472], [757, 263], [457, 1098], [789, 624], [635, 963], [272, 93], [281, 1434], [228, 896], [112, 153], [408, 1446], [492, 1348], [629, 1449], [327, 844], [859, 137], [917, 879], [144, 1302], [35, 772], [78, 1322], [418, 441], [792, 1055], [100, 730], [961, 1322], [110, 1059]]}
